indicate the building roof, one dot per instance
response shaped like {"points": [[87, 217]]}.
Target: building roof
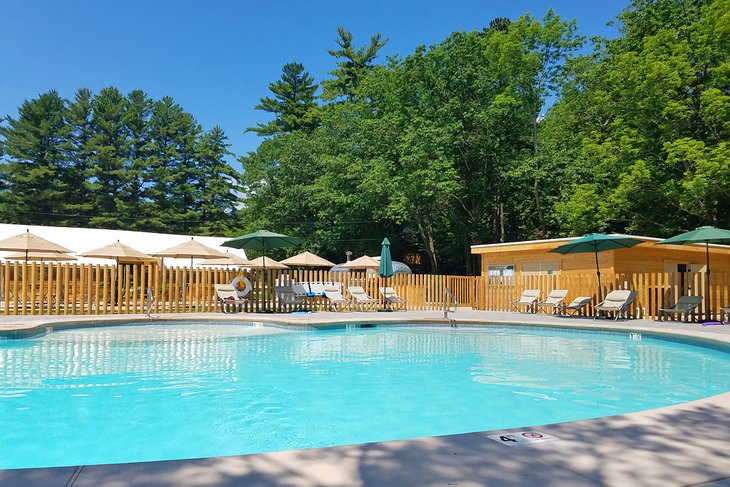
{"points": [[550, 243]]}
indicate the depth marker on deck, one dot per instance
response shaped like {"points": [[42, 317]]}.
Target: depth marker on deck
{"points": [[519, 438]]}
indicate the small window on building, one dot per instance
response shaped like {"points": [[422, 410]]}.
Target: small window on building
{"points": [[545, 267], [501, 270]]}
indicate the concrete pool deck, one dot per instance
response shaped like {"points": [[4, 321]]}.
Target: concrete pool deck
{"points": [[682, 445]]}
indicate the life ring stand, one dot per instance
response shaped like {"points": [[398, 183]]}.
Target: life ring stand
{"points": [[242, 285]]}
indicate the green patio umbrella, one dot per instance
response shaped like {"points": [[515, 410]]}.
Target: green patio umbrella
{"points": [[386, 264], [705, 234], [262, 240], [597, 242]]}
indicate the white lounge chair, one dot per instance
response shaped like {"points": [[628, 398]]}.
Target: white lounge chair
{"points": [[228, 298], [685, 305], [617, 302], [361, 298], [528, 299], [334, 297], [391, 298], [576, 305], [553, 301]]}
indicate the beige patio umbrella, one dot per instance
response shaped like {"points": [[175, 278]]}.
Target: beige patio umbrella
{"points": [[258, 263], [28, 242], [119, 252], [229, 259], [40, 257], [192, 249], [364, 262], [307, 259]]}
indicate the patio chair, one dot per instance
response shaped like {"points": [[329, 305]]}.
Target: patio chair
{"points": [[528, 299], [335, 298], [617, 302], [576, 305], [391, 299], [287, 295], [361, 298], [685, 305], [724, 313], [228, 298], [553, 301]]}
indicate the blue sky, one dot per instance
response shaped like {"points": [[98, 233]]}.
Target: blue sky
{"points": [[216, 58]]}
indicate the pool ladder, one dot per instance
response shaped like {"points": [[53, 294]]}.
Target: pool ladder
{"points": [[449, 298], [149, 302]]}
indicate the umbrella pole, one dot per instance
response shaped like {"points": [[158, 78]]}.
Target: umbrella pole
{"points": [[598, 274], [708, 307]]}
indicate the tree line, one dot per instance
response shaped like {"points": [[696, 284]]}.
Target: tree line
{"points": [[520, 130], [110, 160], [452, 145]]}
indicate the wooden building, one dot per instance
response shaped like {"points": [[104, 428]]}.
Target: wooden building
{"points": [[534, 258]]}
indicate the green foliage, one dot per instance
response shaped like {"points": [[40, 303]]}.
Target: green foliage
{"points": [[645, 120], [293, 103], [115, 161], [353, 65]]}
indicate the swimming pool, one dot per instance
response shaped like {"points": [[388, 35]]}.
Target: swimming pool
{"points": [[169, 391]]}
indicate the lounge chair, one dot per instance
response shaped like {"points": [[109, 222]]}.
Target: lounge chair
{"points": [[528, 299], [391, 298], [685, 305], [576, 305], [287, 295], [361, 298], [335, 298], [553, 301], [724, 313], [228, 298], [617, 302]]}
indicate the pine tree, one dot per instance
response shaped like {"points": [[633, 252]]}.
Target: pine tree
{"points": [[108, 175], [216, 184], [354, 66], [33, 174], [293, 103], [80, 154], [133, 203]]}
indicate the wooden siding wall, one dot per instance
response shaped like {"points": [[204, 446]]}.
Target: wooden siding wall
{"points": [[654, 290], [81, 289]]}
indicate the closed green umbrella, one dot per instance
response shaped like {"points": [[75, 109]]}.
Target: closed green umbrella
{"points": [[597, 242], [700, 235], [262, 240], [385, 270]]}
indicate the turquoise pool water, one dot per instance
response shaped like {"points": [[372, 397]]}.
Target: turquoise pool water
{"points": [[170, 391]]}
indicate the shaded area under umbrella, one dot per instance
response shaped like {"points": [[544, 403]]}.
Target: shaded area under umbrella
{"points": [[28, 242], [597, 242], [706, 235]]}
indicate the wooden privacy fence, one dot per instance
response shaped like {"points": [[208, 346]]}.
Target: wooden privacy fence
{"points": [[81, 289], [654, 290]]}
